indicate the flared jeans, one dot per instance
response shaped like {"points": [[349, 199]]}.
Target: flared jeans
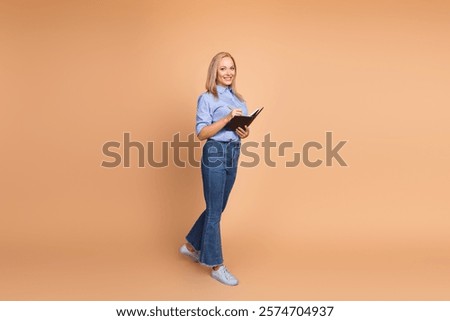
{"points": [[219, 168]]}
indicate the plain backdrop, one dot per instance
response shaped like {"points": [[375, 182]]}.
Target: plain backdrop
{"points": [[75, 75]]}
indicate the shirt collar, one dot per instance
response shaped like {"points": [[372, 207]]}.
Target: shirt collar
{"points": [[222, 89]]}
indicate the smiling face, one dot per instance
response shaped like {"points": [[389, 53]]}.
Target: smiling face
{"points": [[225, 72]]}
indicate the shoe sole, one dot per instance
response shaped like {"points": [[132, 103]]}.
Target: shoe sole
{"points": [[218, 280]]}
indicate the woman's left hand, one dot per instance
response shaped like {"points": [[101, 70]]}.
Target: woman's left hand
{"points": [[243, 133]]}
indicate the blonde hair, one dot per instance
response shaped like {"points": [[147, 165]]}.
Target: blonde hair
{"points": [[211, 78]]}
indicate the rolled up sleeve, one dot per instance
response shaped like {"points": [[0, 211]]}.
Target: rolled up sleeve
{"points": [[204, 117]]}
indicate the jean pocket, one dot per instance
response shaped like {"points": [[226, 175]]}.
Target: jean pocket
{"points": [[213, 155], [213, 148]]}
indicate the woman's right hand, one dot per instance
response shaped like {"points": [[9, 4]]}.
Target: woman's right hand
{"points": [[234, 112], [214, 128]]}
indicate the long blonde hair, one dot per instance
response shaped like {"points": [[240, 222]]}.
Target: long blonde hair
{"points": [[211, 78]]}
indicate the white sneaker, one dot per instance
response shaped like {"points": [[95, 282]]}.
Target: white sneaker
{"points": [[192, 255], [224, 276]]}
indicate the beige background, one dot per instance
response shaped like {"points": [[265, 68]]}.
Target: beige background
{"points": [[76, 74]]}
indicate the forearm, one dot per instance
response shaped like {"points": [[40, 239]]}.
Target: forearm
{"points": [[210, 130]]}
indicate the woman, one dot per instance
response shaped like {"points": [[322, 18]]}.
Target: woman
{"points": [[215, 108]]}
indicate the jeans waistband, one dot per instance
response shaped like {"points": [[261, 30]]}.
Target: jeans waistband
{"points": [[234, 142]]}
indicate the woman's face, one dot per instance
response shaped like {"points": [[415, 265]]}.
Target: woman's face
{"points": [[225, 72]]}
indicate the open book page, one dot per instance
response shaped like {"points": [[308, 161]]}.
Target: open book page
{"points": [[251, 115]]}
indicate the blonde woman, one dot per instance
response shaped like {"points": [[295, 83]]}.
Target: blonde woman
{"points": [[215, 108]]}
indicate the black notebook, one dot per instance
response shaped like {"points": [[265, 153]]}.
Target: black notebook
{"points": [[241, 121]]}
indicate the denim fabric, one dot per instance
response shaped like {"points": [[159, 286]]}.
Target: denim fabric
{"points": [[219, 168]]}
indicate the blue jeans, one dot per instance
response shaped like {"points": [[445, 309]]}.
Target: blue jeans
{"points": [[219, 168]]}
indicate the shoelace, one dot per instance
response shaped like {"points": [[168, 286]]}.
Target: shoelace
{"points": [[226, 273]]}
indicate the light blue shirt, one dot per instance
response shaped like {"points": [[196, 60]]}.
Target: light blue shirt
{"points": [[210, 110]]}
